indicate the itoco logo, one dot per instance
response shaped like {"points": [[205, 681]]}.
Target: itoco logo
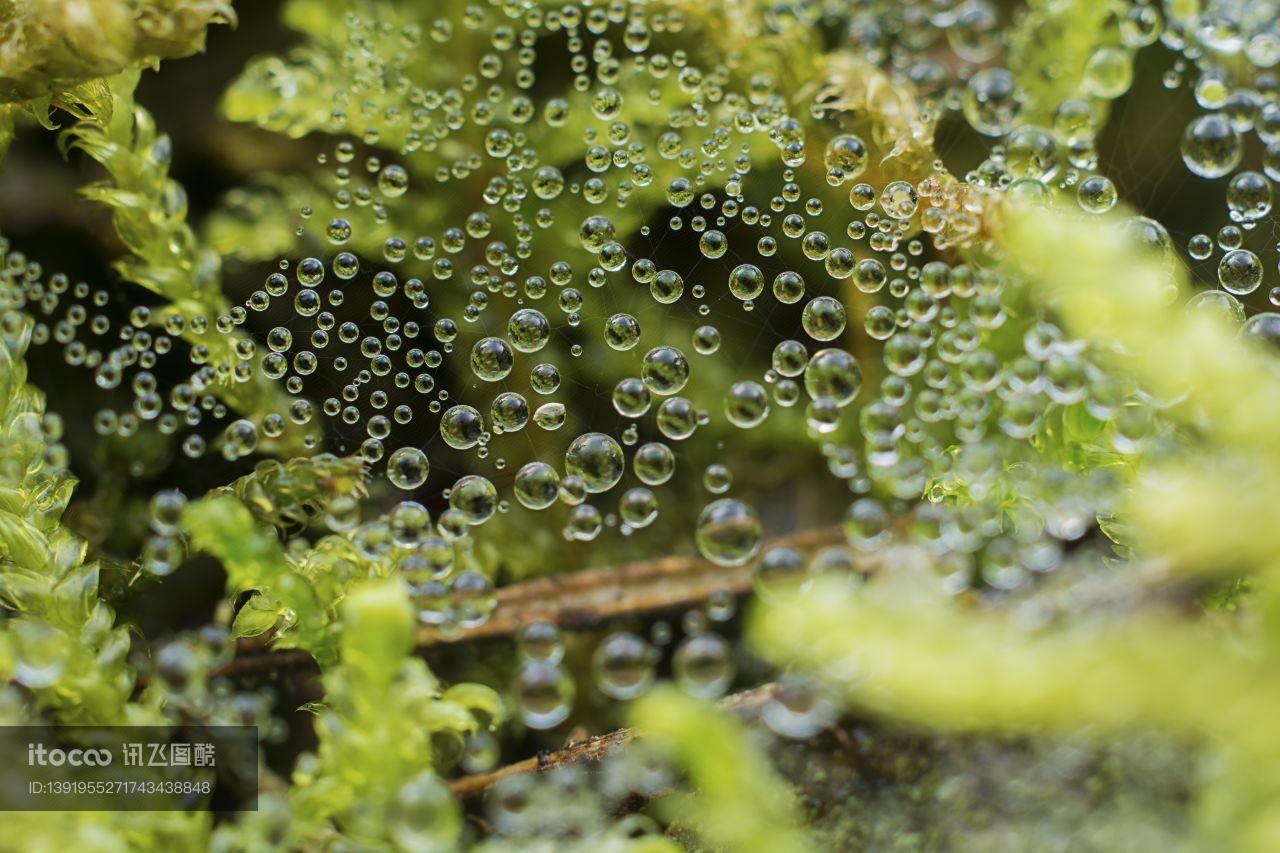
{"points": [[39, 754]]}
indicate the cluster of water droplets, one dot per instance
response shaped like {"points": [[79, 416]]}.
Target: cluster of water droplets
{"points": [[624, 664], [555, 304]]}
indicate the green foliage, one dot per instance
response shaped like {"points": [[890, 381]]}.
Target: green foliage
{"points": [[57, 53], [383, 726], [50, 44], [1053, 45], [285, 603], [903, 651], [61, 641], [740, 804], [486, 242], [1219, 383], [290, 495], [149, 211], [323, 71]]}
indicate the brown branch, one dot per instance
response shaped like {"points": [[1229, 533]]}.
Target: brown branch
{"points": [[593, 749], [581, 600], [589, 750], [588, 598]]}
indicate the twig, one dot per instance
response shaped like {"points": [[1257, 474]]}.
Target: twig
{"points": [[744, 704], [581, 600], [586, 599], [592, 749]]}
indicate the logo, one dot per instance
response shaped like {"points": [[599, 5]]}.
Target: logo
{"points": [[38, 755]]}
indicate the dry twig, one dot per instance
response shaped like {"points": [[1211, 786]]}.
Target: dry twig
{"points": [[581, 600], [593, 749]]}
